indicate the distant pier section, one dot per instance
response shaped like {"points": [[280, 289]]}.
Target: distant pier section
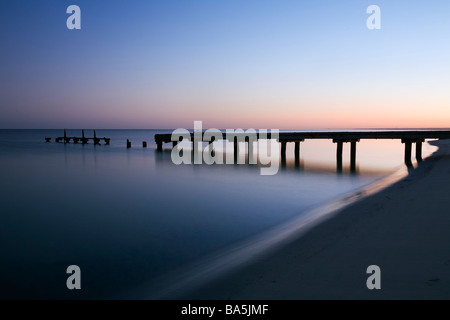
{"points": [[339, 137], [83, 139]]}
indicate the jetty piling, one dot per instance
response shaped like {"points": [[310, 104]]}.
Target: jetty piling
{"points": [[297, 154], [235, 149], [297, 149], [408, 150], [211, 151], [408, 144], [353, 155], [419, 150], [339, 154], [283, 151], [249, 142]]}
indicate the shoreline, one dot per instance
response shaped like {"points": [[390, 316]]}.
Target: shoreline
{"points": [[403, 229], [179, 284]]}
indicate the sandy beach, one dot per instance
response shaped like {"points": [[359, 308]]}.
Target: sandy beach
{"points": [[404, 229]]}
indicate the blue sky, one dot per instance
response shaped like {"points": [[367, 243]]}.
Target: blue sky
{"points": [[235, 63]]}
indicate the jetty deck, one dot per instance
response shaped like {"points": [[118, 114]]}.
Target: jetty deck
{"points": [[407, 137]]}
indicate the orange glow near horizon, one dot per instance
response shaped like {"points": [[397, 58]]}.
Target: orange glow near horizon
{"points": [[314, 118]]}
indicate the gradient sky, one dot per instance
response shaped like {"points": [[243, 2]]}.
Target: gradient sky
{"points": [[230, 63]]}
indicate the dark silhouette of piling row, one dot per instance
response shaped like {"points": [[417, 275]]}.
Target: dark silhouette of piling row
{"points": [[407, 137], [144, 144], [81, 139]]}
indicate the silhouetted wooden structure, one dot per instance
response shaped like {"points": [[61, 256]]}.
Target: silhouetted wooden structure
{"points": [[338, 137], [83, 139]]}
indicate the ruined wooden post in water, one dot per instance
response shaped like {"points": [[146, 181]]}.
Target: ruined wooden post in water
{"points": [[96, 140], [83, 139]]}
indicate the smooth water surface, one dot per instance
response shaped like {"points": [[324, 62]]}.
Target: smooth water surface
{"points": [[127, 216]]}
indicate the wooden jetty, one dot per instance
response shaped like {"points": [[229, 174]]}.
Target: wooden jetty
{"points": [[83, 139], [338, 137]]}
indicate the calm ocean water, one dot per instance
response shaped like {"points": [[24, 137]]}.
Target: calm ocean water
{"points": [[130, 216]]}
